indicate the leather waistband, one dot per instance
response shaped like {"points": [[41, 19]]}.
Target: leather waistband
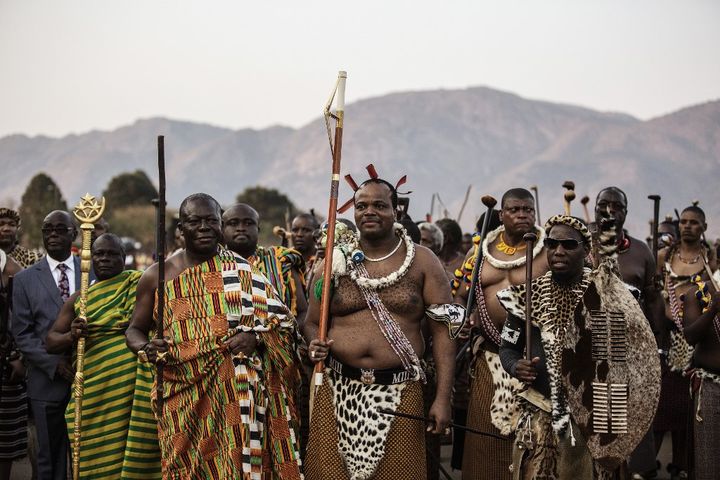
{"points": [[385, 376]]}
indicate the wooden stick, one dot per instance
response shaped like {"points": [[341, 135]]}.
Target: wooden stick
{"points": [[462, 208], [394, 413], [160, 252], [489, 202], [569, 195], [87, 212], [655, 224], [584, 201], [332, 216], [530, 239]]}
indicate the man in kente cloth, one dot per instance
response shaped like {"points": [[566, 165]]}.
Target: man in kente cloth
{"points": [[491, 401], [593, 381], [679, 264], [637, 268], [383, 287], [283, 266], [119, 431], [229, 364]]}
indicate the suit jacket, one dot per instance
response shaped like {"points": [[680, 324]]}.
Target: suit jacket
{"points": [[36, 304]]}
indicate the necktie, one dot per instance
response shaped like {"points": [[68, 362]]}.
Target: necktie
{"points": [[64, 283]]}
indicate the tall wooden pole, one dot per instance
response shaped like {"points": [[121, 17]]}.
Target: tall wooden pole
{"points": [[160, 252], [339, 94], [530, 239]]}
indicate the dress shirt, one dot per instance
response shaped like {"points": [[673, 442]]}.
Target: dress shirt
{"points": [[56, 273]]}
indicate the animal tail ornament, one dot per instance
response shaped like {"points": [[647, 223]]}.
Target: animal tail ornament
{"points": [[607, 239]]}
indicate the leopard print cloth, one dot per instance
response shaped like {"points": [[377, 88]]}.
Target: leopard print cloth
{"points": [[24, 257], [349, 440], [505, 409]]}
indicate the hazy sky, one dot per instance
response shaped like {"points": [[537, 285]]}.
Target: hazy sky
{"points": [[72, 65]]}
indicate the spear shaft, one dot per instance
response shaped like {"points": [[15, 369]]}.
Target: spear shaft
{"points": [[332, 216]]}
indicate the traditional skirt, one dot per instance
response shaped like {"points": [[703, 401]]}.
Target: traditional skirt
{"points": [[484, 457], [674, 406], [706, 425], [350, 440], [13, 421], [540, 454]]}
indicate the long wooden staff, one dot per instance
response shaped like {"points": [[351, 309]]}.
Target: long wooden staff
{"points": [[87, 212], [489, 202], [584, 201], [160, 252], [530, 239], [569, 195], [336, 149], [387, 411], [655, 224]]}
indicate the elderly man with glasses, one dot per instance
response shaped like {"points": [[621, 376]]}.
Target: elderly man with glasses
{"points": [[38, 294]]}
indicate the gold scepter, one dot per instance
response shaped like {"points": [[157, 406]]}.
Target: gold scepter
{"points": [[87, 212]]}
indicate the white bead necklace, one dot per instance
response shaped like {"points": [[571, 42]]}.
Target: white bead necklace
{"points": [[397, 247]]}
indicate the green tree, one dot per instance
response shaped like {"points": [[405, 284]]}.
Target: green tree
{"points": [[273, 208], [41, 197], [136, 222], [128, 189]]}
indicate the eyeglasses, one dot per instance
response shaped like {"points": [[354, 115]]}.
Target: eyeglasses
{"points": [[59, 229], [567, 243]]}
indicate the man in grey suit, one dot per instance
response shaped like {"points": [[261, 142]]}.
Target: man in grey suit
{"points": [[38, 294]]}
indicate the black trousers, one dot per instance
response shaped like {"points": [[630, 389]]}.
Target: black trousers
{"points": [[53, 443]]}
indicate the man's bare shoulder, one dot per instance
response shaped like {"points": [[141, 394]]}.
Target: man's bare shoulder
{"points": [[173, 268], [425, 257]]}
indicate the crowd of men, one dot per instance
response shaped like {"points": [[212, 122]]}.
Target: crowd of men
{"points": [[616, 349]]}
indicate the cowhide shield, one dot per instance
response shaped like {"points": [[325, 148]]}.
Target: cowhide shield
{"points": [[609, 346]]}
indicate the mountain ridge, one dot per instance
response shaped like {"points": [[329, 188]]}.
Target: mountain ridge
{"points": [[443, 140]]}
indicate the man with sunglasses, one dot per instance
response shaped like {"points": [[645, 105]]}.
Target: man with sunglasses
{"points": [[491, 404], [637, 268], [38, 294], [590, 395]]}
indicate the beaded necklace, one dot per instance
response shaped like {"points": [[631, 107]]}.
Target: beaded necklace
{"points": [[391, 330]]}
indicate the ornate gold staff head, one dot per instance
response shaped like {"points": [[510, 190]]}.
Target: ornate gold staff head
{"points": [[88, 210]]}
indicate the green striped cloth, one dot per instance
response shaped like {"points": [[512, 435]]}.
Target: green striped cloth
{"points": [[119, 431]]}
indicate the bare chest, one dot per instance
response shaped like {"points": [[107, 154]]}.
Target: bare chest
{"points": [[405, 297]]}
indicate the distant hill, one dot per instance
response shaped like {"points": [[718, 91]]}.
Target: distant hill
{"points": [[443, 140]]}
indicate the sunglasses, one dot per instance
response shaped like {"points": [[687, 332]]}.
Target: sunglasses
{"points": [[567, 243]]}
